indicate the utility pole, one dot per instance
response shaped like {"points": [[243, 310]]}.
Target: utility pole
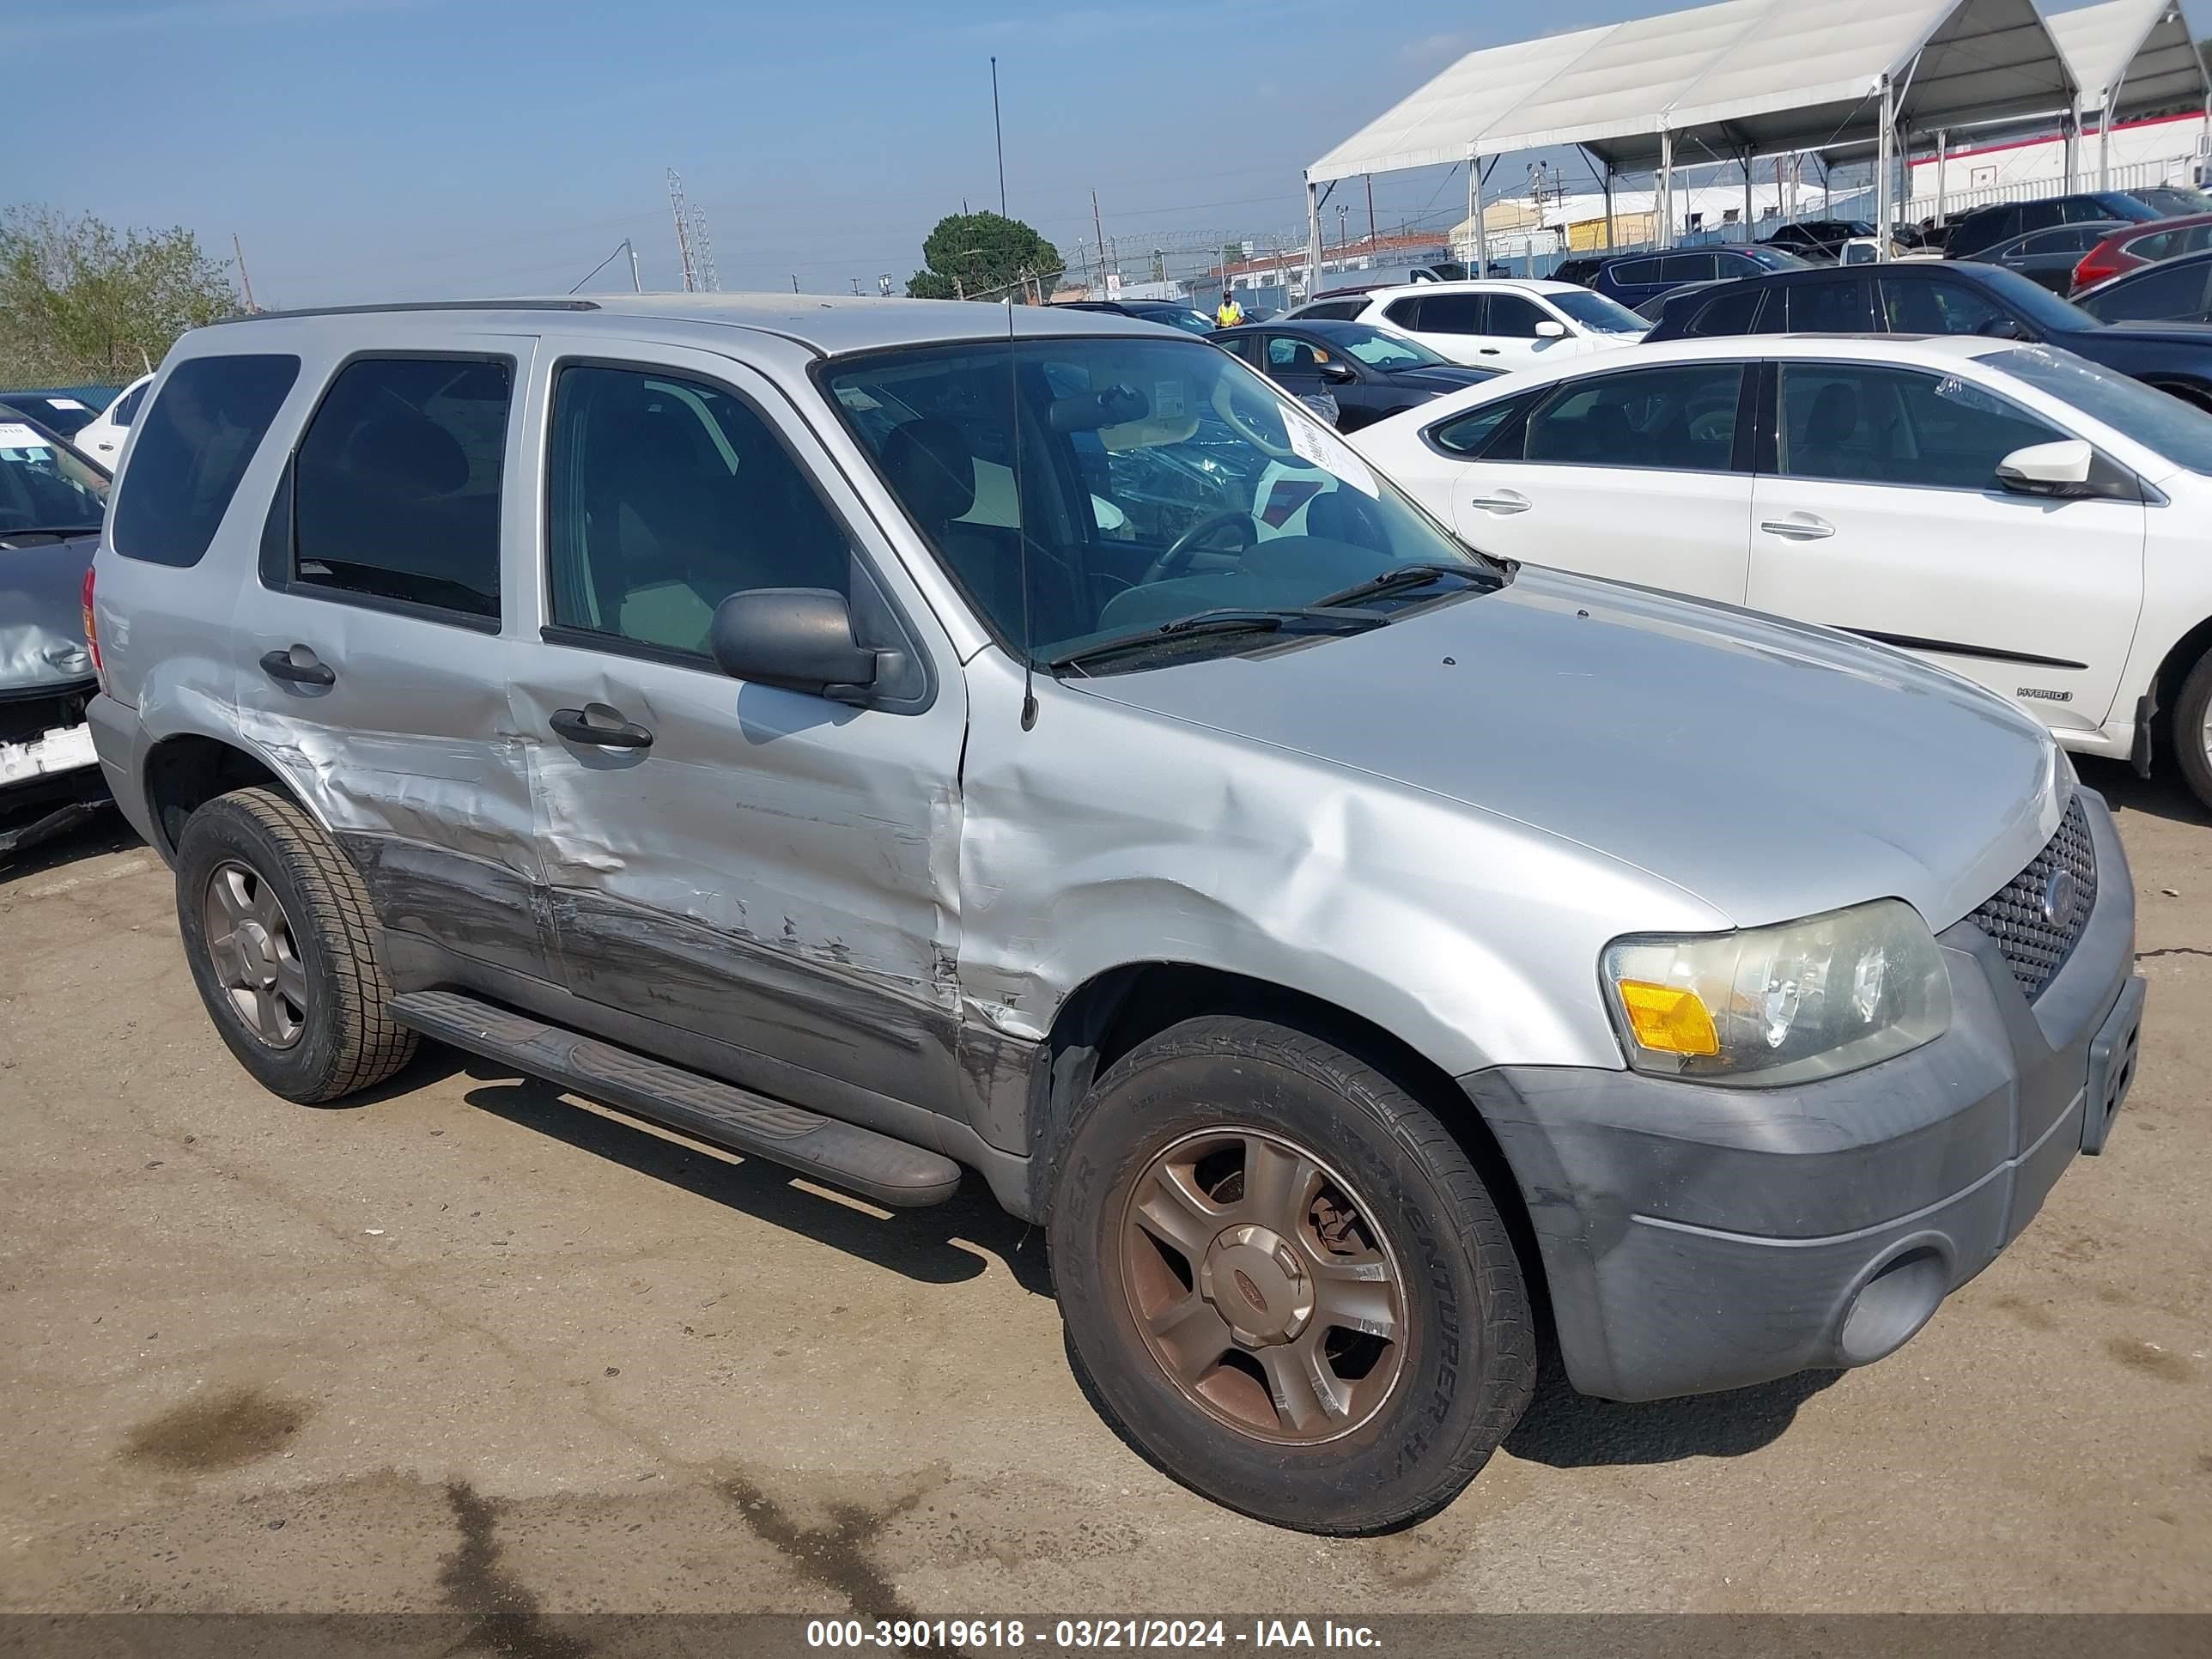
{"points": [[637, 286], [682, 232], [247, 282], [794, 282], [1371, 209], [1098, 230], [998, 136]]}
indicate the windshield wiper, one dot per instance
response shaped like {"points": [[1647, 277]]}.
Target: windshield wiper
{"points": [[1301, 619], [1411, 575]]}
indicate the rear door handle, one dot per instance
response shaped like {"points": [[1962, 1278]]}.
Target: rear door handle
{"points": [[297, 666], [601, 725], [1489, 351], [1804, 527], [1504, 502]]}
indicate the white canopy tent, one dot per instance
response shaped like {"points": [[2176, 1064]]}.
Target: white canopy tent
{"points": [[2131, 57], [1732, 81]]}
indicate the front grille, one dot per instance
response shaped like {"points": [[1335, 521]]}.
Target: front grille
{"points": [[2035, 943]]}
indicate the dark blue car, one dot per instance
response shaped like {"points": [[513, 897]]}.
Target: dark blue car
{"points": [[1632, 278]]}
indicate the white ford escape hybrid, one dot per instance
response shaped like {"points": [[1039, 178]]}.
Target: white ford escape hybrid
{"points": [[1343, 945]]}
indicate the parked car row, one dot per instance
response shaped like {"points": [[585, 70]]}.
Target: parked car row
{"points": [[898, 739]]}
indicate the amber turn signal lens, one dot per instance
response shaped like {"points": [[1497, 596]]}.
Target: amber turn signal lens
{"points": [[1667, 1019]]}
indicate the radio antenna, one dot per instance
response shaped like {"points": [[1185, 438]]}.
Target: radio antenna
{"points": [[1021, 527]]}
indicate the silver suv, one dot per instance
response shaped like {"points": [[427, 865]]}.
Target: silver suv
{"points": [[894, 738]]}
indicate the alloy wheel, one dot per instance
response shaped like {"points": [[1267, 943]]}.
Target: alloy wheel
{"points": [[256, 957], [1262, 1286]]}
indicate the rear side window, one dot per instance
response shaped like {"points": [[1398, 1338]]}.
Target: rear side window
{"points": [[126, 406], [1633, 273], [1837, 308], [1733, 312], [1468, 434], [1679, 418], [396, 491], [1937, 308], [192, 449], [1454, 313], [1692, 268]]}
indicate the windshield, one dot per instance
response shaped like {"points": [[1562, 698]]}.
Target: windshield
{"points": [[44, 486], [2157, 420], [1379, 350], [57, 411], [1158, 479], [1597, 313]]}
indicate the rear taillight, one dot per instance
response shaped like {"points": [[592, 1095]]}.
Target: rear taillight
{"points": [[2096, 265], [92, 630]]}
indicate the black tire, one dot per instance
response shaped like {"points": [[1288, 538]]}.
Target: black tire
{"points": [[1469, 1363], [2190, 710], [347, 1040]]}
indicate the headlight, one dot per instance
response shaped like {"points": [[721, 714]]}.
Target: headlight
{"points": [[1786, 1004]]}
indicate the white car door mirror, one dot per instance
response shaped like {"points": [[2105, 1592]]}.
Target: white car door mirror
{"points": [[1548, 329], [2052, 468]]}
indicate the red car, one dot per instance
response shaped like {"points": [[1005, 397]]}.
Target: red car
{"points": [[2130, 246]]}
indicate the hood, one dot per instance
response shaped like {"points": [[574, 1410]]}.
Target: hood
{"points": [[2192, 334], [1772, 769], [1440, 377], [42, 614]]}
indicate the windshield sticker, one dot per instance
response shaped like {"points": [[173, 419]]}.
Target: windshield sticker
{"points": [[64, 403], [15, 436], [1167, 399], [1318, 447]]}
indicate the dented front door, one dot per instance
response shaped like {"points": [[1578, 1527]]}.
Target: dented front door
{"points": [[772, 871]]}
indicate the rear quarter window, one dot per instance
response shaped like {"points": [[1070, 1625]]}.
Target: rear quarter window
{"points": [[194, 446]]}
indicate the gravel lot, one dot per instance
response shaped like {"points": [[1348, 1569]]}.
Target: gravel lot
{"points": [[466, 1347]]}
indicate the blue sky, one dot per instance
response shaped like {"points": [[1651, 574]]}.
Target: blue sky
{"points": [[398, 148]]}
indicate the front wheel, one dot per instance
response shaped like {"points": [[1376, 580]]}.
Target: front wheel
{"points": [[1286, 1283], [2193, 729]]}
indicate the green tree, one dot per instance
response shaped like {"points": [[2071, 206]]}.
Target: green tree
{"points": [[983, 255], [80, 301]]}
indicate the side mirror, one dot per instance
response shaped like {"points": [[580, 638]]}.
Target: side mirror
{"points": [[800, 638], [1337, 372], [2002, 328], [1550, 329], [2052, 468]]}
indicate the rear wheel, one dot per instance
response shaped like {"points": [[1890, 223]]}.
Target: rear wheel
{"points": [[283, 944], [2193, 729], [1285, 1281]]}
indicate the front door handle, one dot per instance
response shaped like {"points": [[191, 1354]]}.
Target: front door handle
{"points": [[297, 666], [1489, 351], [597, 724], [1803, 528], [1505, 501]]}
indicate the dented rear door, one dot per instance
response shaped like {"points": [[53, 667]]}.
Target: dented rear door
{"points": [[374, 646], [771, 870]]}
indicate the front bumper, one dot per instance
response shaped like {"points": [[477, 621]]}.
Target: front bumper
{"points": [[1697, 1238]]}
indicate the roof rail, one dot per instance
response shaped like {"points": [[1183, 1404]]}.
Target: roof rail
{"points": [[413, 305]]}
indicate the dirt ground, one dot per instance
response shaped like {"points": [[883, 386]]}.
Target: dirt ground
{"points": [[467, 1346]]}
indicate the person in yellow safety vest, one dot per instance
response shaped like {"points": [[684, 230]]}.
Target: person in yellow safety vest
{"points": [[1228, 314]]}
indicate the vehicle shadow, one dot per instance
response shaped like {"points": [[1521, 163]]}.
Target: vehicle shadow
{"points": [[944, 1244], [2161, 795], [1565, 1430]]}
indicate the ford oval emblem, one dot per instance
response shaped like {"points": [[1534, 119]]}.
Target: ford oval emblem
{"points": [[2059, 895]]}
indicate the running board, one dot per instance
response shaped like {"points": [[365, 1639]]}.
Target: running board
{"points": [[892, 1172]]}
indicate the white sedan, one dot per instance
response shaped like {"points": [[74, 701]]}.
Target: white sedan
{"points": [[2013, 513], [1491, 322]]}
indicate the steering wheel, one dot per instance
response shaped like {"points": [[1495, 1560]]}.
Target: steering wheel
{"points": [[1177, 558]]}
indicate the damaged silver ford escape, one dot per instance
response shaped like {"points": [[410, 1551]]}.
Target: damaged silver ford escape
{"points": [[893, 739]]}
